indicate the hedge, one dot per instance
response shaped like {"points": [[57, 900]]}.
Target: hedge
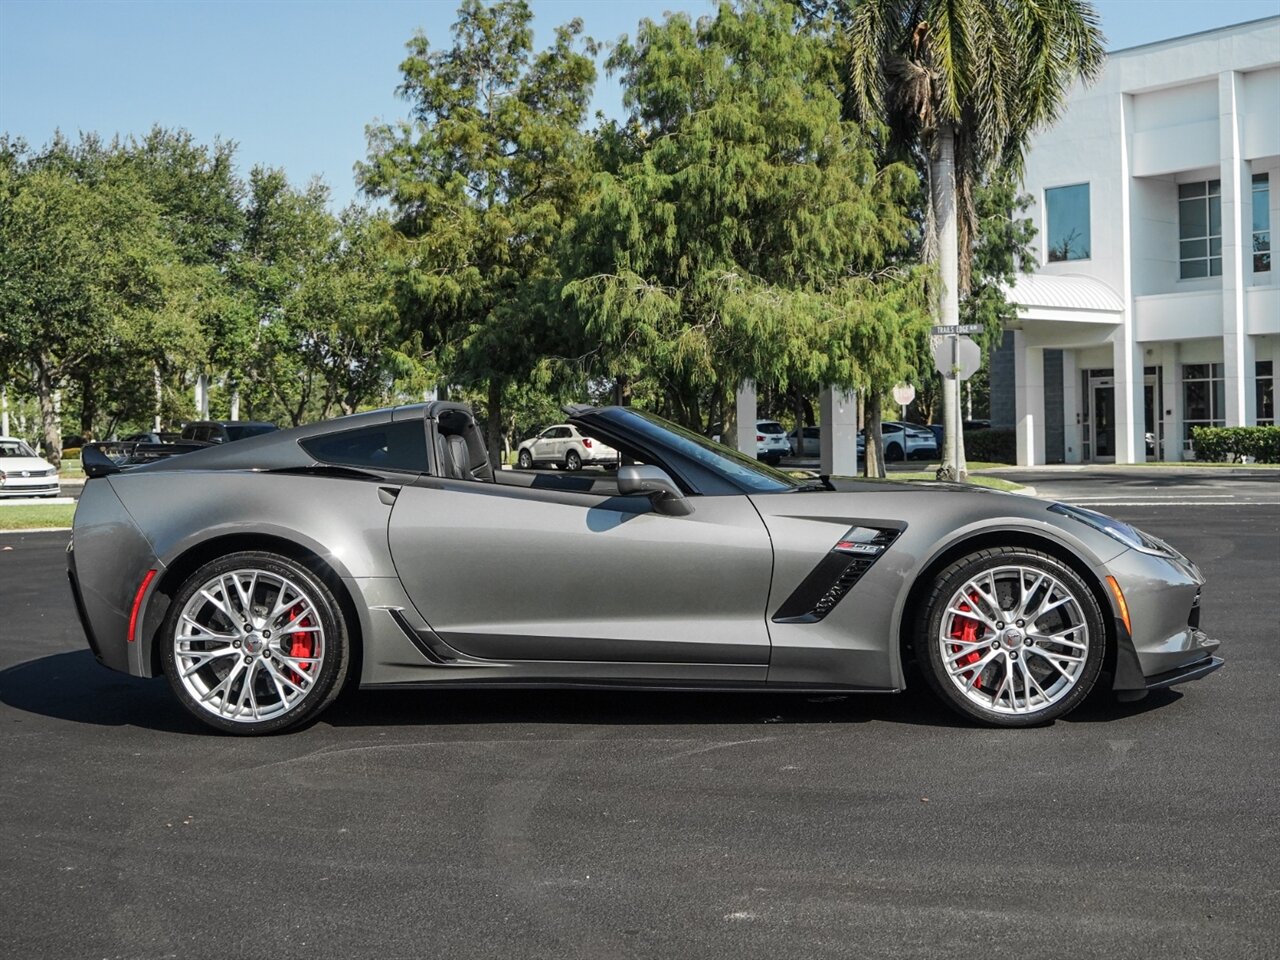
{"points": [[991, 446], [1233, 444]]}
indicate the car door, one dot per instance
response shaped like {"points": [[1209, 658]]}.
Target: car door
{"points": [[544, 447], [526, 573]]}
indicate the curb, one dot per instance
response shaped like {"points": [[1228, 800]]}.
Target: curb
{"points": [[6, 533]]}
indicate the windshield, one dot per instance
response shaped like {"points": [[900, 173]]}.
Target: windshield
{"points": [[15, 448], [743, 471]]}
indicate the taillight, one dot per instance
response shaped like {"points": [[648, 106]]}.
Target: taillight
{"points": [[759, 438], [586, 442], [137, 603]]}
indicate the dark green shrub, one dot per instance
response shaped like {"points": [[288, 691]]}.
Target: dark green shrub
{"points": [[1233, 444], [992, 446]]}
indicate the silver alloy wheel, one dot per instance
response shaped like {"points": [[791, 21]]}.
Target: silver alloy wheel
{"points": [[249, 645], [1014, 640]]}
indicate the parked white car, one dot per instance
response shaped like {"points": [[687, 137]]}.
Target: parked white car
{"points": [[563, 446], [23, 473], [771, 441], [903, 441]]}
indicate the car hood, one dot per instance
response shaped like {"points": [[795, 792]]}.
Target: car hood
{"points": [[18, 464]]}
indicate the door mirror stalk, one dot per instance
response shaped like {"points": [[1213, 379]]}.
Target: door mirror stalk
{"points": [[656, 484]]}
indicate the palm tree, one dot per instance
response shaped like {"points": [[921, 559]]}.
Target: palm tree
{"points": [[963, 84]]}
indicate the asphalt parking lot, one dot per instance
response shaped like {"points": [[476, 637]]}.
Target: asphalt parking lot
{"points": [[548, 824]]}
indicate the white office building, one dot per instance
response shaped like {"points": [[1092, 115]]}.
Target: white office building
{"points": [[1156, 305]]}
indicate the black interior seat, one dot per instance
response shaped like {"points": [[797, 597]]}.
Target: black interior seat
{"points": [[460, 448]]}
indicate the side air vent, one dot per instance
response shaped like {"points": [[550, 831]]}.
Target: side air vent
{"points": [[836, 574]]}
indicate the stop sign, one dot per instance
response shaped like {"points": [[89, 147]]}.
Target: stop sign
{"points": [[903, 394], [956, 357]]}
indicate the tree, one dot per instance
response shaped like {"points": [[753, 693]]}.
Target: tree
{"points": [[87, 273], [482, 180], [745, 230], [964, 83]]}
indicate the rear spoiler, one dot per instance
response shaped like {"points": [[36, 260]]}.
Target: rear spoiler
{"points": [[107, 457]]}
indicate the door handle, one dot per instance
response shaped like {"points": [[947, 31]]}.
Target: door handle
{"points": [[388, 494]]}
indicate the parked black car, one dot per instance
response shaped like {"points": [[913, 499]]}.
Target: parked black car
{"points": [[224, 431]]}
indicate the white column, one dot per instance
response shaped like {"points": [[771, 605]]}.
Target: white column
{"points": [[1130, 443], [1237, 198], [1127, 360], [839, 413], [235, 403], [202, 396], [1028, 400], [745, 404], [1072, 410], [4, 411], [1171, 390]]}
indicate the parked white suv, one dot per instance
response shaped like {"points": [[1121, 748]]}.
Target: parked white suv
{"points": [[25, 474], [771, 442], [563, 446]]}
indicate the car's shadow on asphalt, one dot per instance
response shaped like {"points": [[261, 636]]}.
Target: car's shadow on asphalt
{"points": [[74, 687]]}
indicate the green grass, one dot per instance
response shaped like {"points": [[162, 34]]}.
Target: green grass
{"points": [[70, 468], [34, 517]]}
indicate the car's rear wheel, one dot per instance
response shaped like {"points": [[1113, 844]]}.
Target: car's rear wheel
{"points": [[572, 460], [526, 460], [893, 453], [255, 643], [1011, 637]]}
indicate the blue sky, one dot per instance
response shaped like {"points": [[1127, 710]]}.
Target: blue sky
{"points": [[294, 82]]}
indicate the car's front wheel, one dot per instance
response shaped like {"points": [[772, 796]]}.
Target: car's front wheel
{"points": [[526, 459], [255, 643], [1011, 637]]}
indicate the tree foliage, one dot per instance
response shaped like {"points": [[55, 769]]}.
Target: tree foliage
{"points": [[482, 180], [745, 231]]}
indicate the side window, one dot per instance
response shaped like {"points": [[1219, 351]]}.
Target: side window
{"points": [[389, 446]]}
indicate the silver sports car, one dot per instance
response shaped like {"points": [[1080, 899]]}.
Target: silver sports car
{"points": [[261, 576]]}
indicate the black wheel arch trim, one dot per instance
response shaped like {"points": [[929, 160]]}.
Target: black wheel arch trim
{"points": [[1120, 657], [186, 561]]}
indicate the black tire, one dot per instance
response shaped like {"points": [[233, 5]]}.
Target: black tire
{"points": [[573, 461], [333, 666], [928, 641], [893, 453], [525, 459]]}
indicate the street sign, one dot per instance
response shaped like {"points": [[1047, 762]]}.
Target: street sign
{"points": [[952, 329], [956, 357], [903, 394]]}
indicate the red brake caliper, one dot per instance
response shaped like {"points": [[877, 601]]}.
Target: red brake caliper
{"points": [[965, 629], [301, 644]]}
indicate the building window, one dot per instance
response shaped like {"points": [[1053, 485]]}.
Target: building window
{"points": [[1204, 396], [1200, 229], [1261, 223], [1265, 392], [1067, 222]]}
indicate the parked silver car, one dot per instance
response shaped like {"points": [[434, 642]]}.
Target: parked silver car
{"points": [[384, 549]]}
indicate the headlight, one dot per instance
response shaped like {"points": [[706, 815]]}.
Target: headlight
{"points": [[1117, 530]]}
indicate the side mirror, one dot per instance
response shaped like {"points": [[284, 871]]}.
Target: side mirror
{"points": [[653, 482]]}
